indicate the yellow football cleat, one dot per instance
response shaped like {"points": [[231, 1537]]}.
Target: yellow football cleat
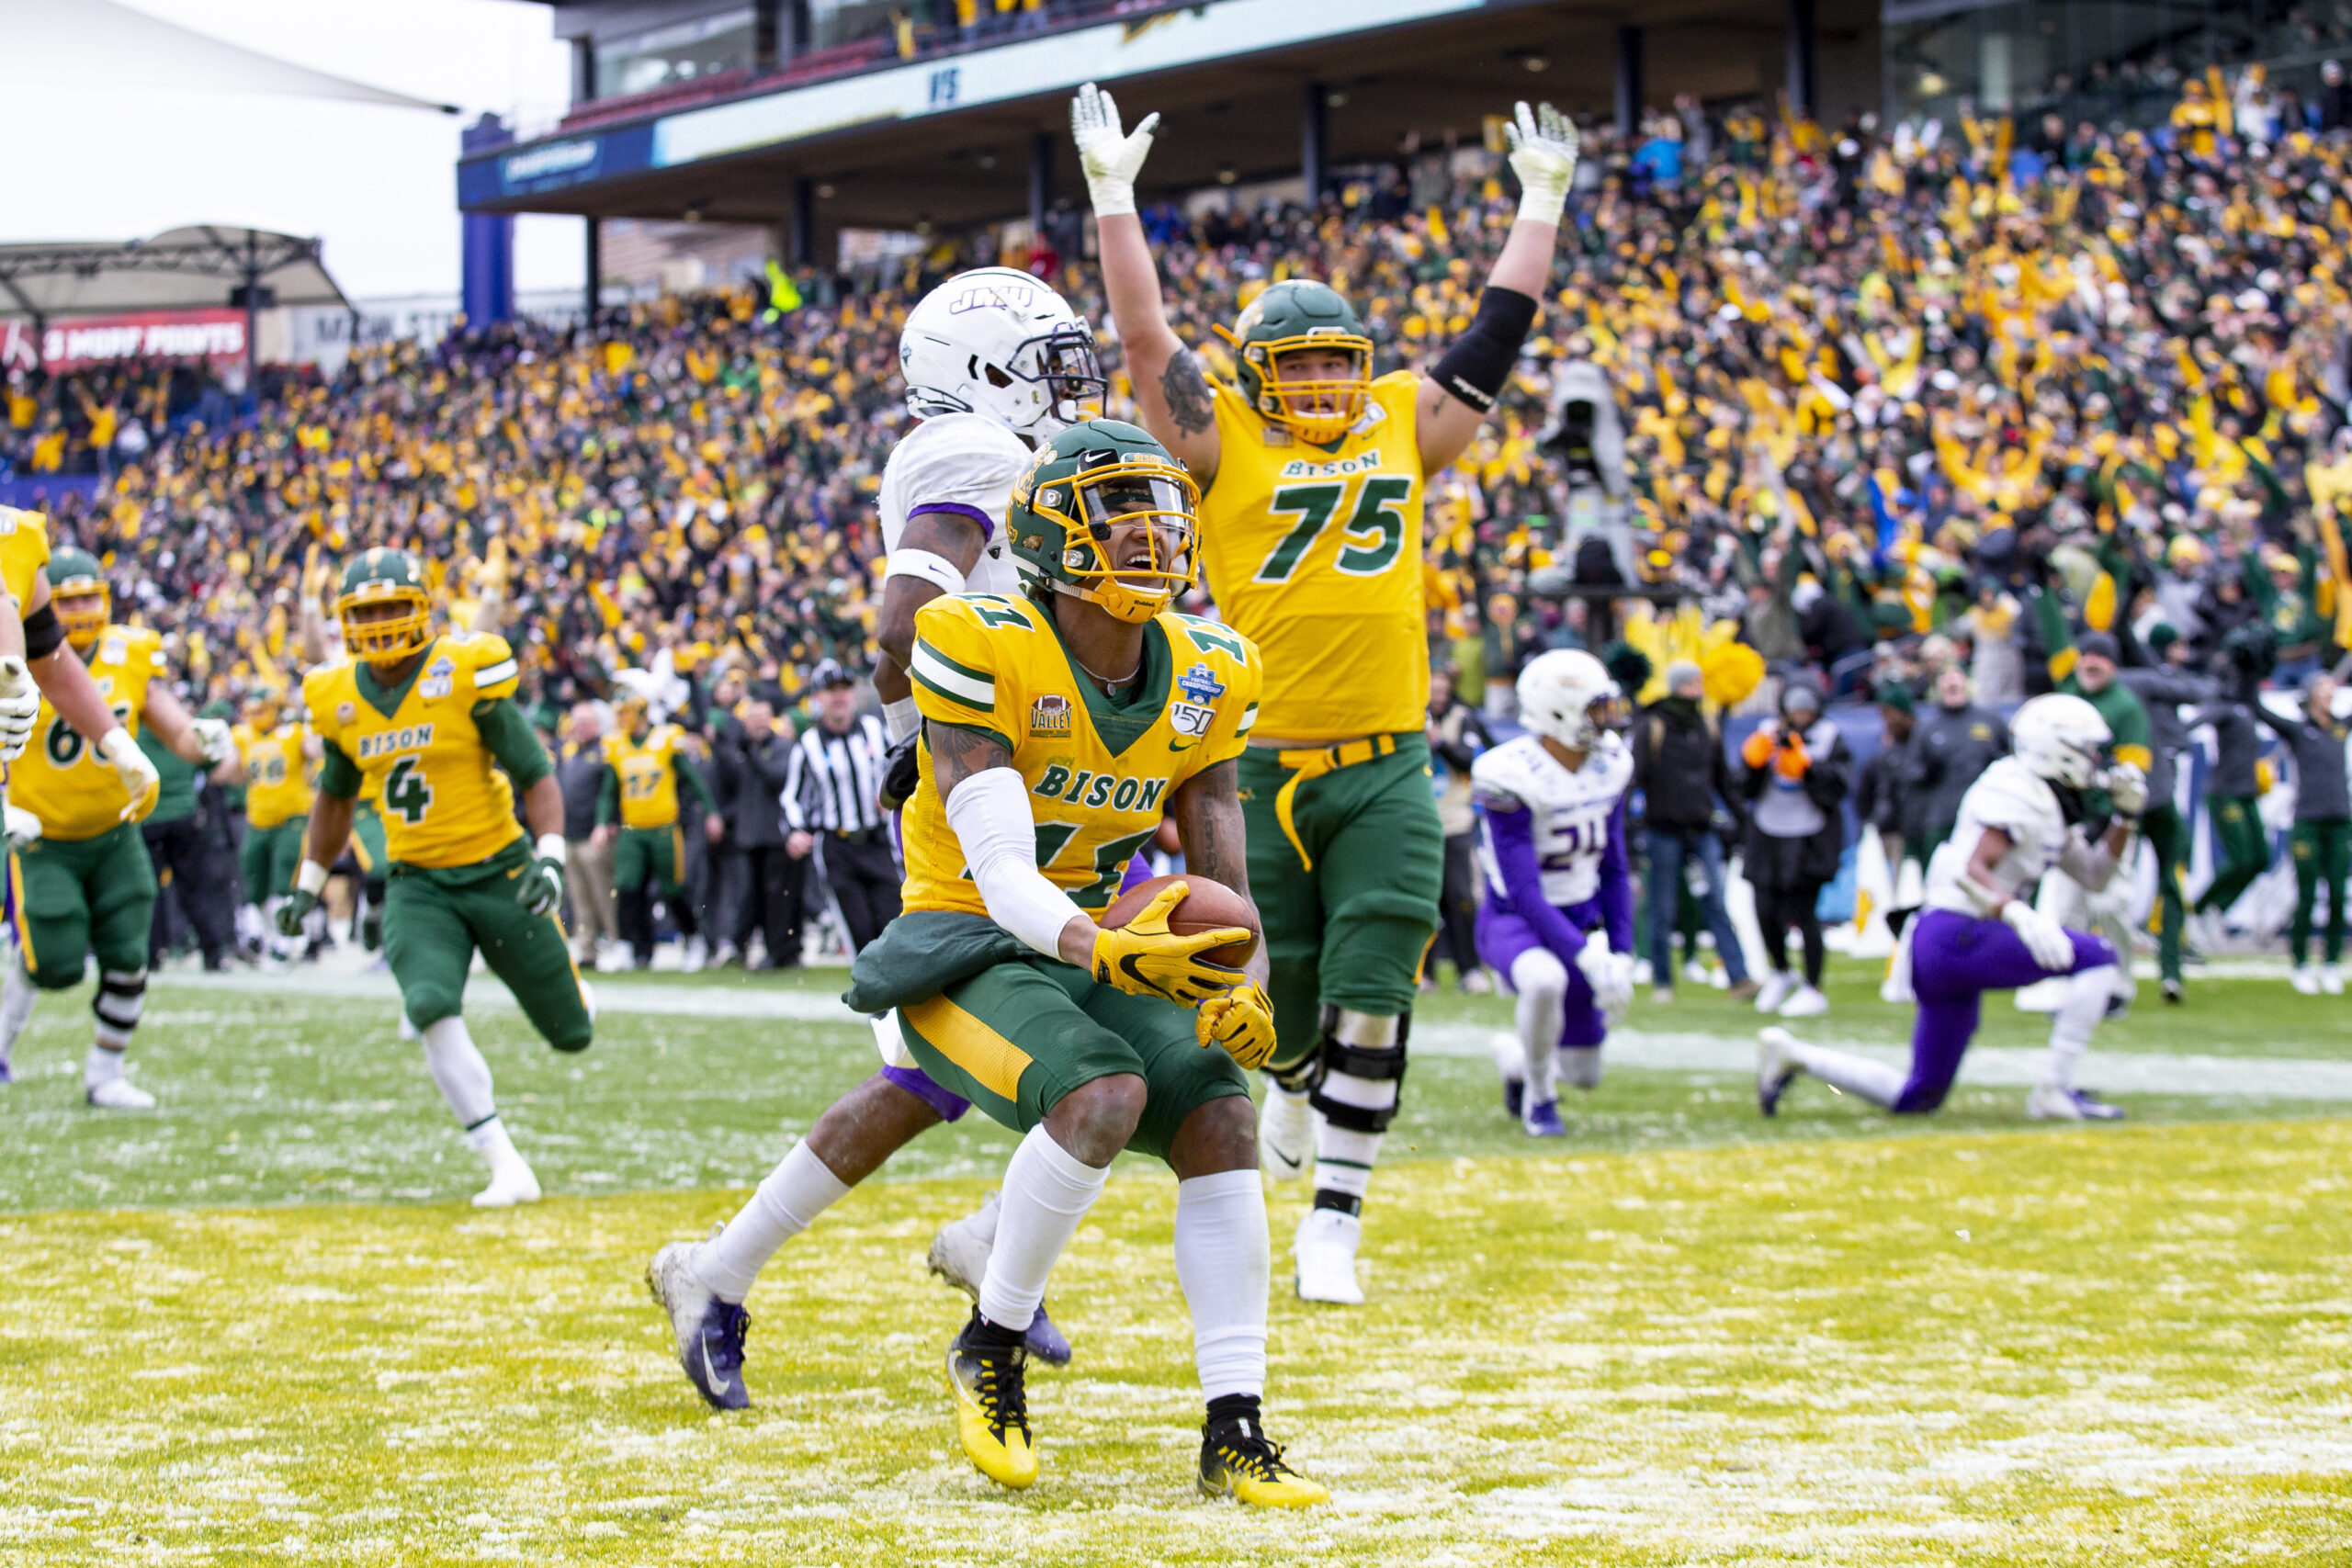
{"points": [[992, 1406], [1238, 1461]]}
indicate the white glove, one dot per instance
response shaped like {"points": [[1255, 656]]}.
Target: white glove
{"points": [[1112, 159], [2043, 937], [19, 707], [23, 827], [1611, 975], [2128, 787], [1543, 156], [213, 737], [138, 776]]}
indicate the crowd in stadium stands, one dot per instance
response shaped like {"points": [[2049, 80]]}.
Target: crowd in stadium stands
{"points": [[1877, 393]]}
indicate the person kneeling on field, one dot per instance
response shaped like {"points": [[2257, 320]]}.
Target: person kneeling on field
{"points": [[419, 721], [88, 886], [1557, 923], [1057, 729], [2023, 817]]}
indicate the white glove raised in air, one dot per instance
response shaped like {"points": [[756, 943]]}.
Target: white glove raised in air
{"points": [[2127, 786], [19, 707], [214, 740], [2043, 937], [1611, 975], [138, 776], [1112, 159], [1543, 156], [23, 827]]}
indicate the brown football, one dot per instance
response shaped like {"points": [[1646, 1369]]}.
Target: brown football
{"points": [[1206, 906]]}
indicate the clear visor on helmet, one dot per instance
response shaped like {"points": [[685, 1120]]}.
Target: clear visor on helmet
{"points": [[1607, 712], [1064, 362], [1128, 534], [1124, 498]]}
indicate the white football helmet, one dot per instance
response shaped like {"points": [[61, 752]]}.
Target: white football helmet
{"points": [[1000, 342], [1559, 693], [2061, 738]]}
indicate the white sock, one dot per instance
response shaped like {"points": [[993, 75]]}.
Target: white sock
{"points": [[1224, 1261], [458, 1066], [1580, 1066], [17, 997], [489, 1139], [100, 1066], [787, 1203], [1048, 1190], [1542, 982], [1878, 1082], [122, 998], [2078, 1016]]}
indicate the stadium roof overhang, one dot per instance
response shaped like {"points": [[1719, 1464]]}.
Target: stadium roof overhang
{"points": [[946, 139], [203, 266]]}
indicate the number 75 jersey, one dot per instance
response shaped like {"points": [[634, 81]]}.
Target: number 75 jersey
{"points": [[1315, 555], [444, 800]]}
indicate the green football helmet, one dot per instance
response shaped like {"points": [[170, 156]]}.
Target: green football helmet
{"points": [[78, 593], [1287, 318], [1081, 490], [382, 577]]}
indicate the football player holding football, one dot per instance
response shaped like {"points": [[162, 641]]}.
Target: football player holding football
{"points": [[1313, 473], [428, 725]]}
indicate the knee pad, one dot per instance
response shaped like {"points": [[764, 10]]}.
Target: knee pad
{"points": [[1538, 972], [1377, 1064], [121, 997]]}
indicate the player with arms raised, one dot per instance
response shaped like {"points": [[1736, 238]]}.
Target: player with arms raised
{"points": [[1313, 474], [88, 884], [1557, 922], [418, 721], [2023, 815]]}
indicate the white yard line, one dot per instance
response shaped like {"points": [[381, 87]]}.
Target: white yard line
{"points": [[2280, 1077]]}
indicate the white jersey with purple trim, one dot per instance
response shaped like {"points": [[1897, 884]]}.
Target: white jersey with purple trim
{"points": [[1571, 811], [2019, 802], [964, 463]]}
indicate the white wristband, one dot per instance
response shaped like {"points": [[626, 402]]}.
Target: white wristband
{"points": [[925, 566], [902, 718], [309, 878], [551, 847], [1543, 203], [1112, 196]]}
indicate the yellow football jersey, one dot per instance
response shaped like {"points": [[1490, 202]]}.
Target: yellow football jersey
{"points": [[444, 802], [60, 778], [24, 551], [277, 785], [1098, 776], [1315, 557], [649, 775]]}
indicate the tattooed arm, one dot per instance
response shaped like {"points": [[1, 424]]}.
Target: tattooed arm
{"points": [[1208, 820], [1171, 390]]}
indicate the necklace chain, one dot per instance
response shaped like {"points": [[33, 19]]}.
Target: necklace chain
{"points": [[1110, 679]]}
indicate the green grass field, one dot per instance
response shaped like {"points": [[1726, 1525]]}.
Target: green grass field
{"points": [[263, 1324]]}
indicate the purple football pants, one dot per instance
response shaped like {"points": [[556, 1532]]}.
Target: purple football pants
{"points": [[1503, 935], [1954, 961]]}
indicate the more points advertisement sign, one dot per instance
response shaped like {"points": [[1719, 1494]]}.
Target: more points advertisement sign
{"points": [[140, 334]]}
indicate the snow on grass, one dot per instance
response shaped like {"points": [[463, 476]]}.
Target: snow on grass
{"points": [[2113, 1344]]}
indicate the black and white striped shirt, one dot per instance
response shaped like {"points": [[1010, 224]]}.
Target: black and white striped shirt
{"points": [[834, 779]]}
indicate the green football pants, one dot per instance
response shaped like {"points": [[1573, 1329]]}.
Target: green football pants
{"points": [[85, 895], [1017, 1037], [2323, 852], [270, 857], [1350, 903], [640, 852], [2245, 844], [435, 919]]}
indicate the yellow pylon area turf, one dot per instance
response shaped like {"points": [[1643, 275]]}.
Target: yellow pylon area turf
{"points": [[2118, 1345]]}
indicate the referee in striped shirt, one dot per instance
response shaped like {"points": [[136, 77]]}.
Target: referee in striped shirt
{"points": [[829, 798]]}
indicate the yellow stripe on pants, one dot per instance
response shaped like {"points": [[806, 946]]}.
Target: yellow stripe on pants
{"points": [[995, 1063]]}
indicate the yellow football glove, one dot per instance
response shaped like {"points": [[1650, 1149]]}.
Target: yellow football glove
{"points": [[1241, 1021], [1144, 958]]}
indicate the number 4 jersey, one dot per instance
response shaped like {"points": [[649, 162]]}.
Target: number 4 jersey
{"points": [[419, 751], [1100, 775], [1315, 555], [60, 778]]}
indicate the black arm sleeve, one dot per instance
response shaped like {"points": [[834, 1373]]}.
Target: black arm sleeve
{"points": [[508, 734], [42, 633], [1478, 368]]}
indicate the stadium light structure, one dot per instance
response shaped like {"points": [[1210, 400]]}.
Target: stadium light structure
{"points": [[204, 266]]}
